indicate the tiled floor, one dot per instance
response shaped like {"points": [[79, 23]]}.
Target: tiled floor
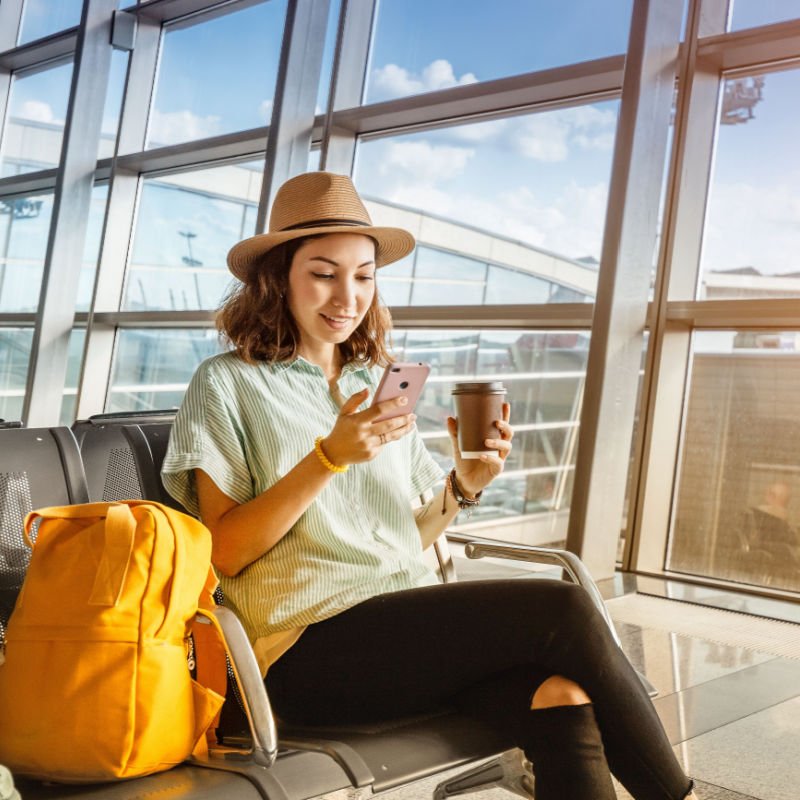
{"points": [[733, 715]]}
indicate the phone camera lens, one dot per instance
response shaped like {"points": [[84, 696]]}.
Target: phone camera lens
{"points": [[404, 384]]}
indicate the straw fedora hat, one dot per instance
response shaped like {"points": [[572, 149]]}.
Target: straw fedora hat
{"points": [[318, 203]]}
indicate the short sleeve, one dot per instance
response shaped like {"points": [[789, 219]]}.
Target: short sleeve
{"points": [[425, 472], [207, 435]]}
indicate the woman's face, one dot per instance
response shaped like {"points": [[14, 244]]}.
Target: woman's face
{"points": [[331, 286]]}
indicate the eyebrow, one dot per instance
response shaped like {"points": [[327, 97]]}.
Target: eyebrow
{"points": [[337, 264]]}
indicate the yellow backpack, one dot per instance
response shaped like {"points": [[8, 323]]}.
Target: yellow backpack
{"points": [[95, 683]]}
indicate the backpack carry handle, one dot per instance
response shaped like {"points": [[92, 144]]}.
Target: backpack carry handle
{"points": [[120, 531]]}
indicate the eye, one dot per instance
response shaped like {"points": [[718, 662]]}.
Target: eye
{"points": [[366, 278], [322, 275]]}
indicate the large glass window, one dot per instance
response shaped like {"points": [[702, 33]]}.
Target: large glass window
{"points": [[217, 74], [525, 193], [737, 512], [184, 228], [752, 233], [15, 353], [421, 46], [442, 278], [750, 13], [43, 17], [24, 228], [152, 367], [543, 372], [34, 127]]}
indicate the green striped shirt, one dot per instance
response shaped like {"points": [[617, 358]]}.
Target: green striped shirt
{"points": [[246, 426]]}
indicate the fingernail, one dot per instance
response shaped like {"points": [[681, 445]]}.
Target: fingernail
{"points": [[403, 400]]}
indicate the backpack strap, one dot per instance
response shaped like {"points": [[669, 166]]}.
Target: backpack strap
{"points": [[120, 532], [210, 651]]}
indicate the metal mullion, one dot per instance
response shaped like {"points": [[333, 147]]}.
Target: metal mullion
{"points": [[757, 314], [668, 359], [585, 82], [10, 23], [139, 88], [349, 82], [12, 319], [48, 48], [751, 47], [155, 319], [295, 98], [71, 206], [226, 147], [109, 282], [123, 192], [28, 182], [164, 11], [621, 303]]}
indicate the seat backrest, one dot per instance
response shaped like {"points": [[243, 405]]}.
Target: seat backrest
{"points": [[148, 444], [110, 461], [38, 467]]}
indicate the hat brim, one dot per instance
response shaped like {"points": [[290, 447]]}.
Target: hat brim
{"points": [[392, 244]]}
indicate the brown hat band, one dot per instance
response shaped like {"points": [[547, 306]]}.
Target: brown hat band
{"points": [[321, 223]]}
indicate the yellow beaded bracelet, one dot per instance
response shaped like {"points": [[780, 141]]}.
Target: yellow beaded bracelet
{"points": [[326, 462]]}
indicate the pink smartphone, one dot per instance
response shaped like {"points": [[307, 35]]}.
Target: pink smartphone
{"points": [[399, 379]]}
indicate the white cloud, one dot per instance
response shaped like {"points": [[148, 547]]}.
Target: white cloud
{"points": [[549, 135], [395, 81], [38, 111], [756, 226], [181, 126], [426, 163], [542, 138], [265, 111]]}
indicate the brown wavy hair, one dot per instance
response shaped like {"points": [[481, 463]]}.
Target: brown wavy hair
{"points": [[255, 317]]}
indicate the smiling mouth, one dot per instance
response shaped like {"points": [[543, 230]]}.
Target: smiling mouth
{"points": [[337, 320]]}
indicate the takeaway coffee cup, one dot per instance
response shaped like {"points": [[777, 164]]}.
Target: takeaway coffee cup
{"points": [[478, 405]]}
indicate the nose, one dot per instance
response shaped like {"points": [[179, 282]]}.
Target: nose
{"points": [[345, 296]]}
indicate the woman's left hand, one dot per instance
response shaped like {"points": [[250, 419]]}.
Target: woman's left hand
{"points": [[474, 474]]}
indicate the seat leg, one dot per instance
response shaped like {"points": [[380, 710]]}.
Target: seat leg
{"points": [[510, 771]]}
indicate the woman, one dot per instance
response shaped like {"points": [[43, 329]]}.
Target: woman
{"points": [[308, 502]]}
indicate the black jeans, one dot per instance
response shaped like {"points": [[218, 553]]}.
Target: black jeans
{"points": [[483, 647]]}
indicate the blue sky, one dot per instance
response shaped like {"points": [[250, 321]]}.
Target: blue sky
{"points": [[493, 40]]}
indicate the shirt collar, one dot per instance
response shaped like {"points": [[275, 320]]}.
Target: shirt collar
{"points": [[302, 365]]}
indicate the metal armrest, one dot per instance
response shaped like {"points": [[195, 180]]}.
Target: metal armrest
{"points": [[573, 567], [251, 685]]}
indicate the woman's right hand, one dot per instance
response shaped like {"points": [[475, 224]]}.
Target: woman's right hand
{"points": [[356, 438]]}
